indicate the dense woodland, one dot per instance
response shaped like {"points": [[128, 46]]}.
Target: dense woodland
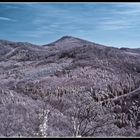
{"points": [[69, 88]]}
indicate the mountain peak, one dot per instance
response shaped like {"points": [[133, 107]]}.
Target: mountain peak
{"points": [[64, 38], [69, 41], [66, 42]]}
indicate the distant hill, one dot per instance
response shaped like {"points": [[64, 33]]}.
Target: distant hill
{"points": [[66, 42], [136, 50]]}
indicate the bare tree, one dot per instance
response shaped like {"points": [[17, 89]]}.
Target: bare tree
{"points": [[43, 118], [85, 116], [43, 123]]}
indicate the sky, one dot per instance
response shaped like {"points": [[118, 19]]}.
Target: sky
{"points": [[112, 24]]}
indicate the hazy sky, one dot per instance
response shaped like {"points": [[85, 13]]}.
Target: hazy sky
{"points": [[113, 24]]}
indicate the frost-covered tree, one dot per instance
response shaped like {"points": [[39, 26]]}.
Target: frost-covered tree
{"points": [[43, 126]]}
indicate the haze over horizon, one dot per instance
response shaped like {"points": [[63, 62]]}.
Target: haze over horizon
{"points": [[109, 24]]}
